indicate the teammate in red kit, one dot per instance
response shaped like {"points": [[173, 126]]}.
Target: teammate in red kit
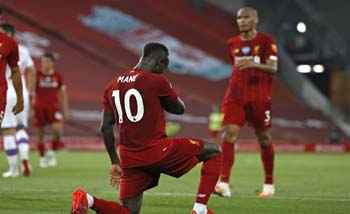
{"points": [[135, 101], [50, 107], [248, 96]]}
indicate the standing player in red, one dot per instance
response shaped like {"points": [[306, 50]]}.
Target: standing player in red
{"points": [[50, 107], [135, 101], [9, 56], [248, 96]]}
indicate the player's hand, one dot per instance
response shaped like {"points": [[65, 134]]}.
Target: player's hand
{"points": [[18, 107], [115, 174], [245, 63]]}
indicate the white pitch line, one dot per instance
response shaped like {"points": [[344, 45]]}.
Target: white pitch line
{"points": [[253, 197], [184, 194]]}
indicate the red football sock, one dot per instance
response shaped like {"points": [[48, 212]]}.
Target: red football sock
{"points": [[228, 151], [25, 164], [55, 145], [41, 149], [268, 157], [209, 176], [108, 207]]}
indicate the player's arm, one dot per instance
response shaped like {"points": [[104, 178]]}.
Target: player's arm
{"points": [[12, 60], [64, 101], [107, 125], [270, 56], [31, 79], [169, 98], [17, 84], [173, 106], [270, 66]]}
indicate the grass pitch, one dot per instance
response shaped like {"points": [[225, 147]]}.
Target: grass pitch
{"points": [[305, 183]]}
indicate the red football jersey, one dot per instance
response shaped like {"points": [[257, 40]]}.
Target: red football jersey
{"points": [[136, 98], [8, 55], [249, 85], [47, 90]]}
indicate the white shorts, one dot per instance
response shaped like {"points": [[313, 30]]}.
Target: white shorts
{"points": [[23, 117], [10, 119]]}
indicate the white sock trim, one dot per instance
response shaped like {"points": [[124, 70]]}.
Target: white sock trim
{"points": [[200, 208], [90, 200], [22, 134]]}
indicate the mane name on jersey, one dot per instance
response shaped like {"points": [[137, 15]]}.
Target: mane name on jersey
{"points": [[127, 79]]}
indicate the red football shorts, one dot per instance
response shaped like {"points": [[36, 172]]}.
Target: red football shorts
{"points": [[181, 159], [257, 114], [44, 116]]}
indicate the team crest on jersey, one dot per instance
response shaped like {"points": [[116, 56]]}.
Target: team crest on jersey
{"points": [[274, 47], [47, 79], [256, 49], [245, 50]]}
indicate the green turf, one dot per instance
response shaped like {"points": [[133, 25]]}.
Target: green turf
{"points": [[306, 183]]}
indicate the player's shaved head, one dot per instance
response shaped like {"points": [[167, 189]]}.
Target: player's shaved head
{"points": [[154, 58], [152, 48], [251, 10]]}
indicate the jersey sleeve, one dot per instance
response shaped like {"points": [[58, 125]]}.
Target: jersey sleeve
{"points": [[106, 102], [229, 45], [164, 89], [12, 58], [271, 52]]}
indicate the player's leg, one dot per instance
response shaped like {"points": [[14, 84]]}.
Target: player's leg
{"points": [[22, 136], [133, 204], [55, 143], [22, 139], [82, 201], [267, 157], [184, 155], [261, 120], [210, 172], [11, 151], [234, 118], [41, 146], [39, 121], [8, 127]]}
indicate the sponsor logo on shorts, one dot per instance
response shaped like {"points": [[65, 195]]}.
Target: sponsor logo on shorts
{"points": [[200, 195]]}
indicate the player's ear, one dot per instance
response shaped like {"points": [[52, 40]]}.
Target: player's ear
{"points": [[256, 20]]}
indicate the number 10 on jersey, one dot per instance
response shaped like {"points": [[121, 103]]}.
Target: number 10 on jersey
{"points": [[127, 108]]}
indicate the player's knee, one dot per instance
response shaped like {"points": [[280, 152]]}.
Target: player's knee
{"points": [[264, 139], [229, 136], [133, 204], [230, 133]]}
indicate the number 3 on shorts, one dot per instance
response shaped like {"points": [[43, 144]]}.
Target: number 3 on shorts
{"points": [[267, 117]]}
